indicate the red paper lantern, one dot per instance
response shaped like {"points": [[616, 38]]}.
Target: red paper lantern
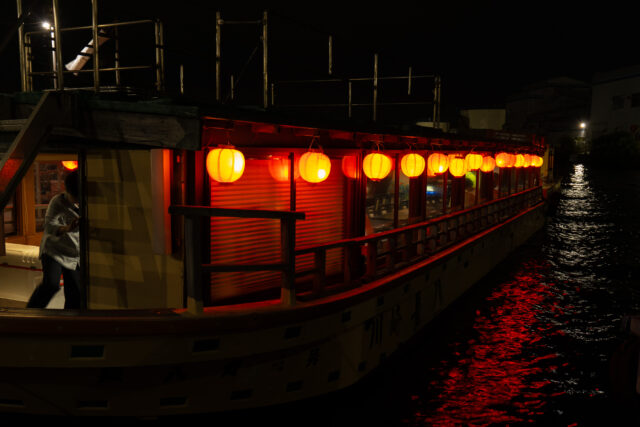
{"points": [[70, 164], [437, 163], [412, 165], [225, 164], [314, 166], [488, 164], [503, 159], [457, 166], [279, 169], [473, 161], [519, 161], [537, 161], [350, 166], [376, 166], [527, 160]]}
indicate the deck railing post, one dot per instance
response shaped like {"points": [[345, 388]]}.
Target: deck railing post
{"points": [[347, 262], [193, 264], [288, 236], [372, 257]]}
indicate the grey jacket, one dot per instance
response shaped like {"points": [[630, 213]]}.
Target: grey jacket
{"points": [[65, 249]]}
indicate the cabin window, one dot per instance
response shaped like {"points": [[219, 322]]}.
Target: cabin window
{"points": [[380, 204], [470, 186], [435, 194], [454, 193], [403, 200], [497, 178]]}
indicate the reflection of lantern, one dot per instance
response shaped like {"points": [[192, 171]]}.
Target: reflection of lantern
{"points": [[488, 164], [225, 164], [70, 164], [505, 160], [412, 165], [350, 166], [438, 163], [527, 160], [376, 166], [314, 166], [473, 161], [519, 161], [279, 168], [536, 161], [456, 166]]}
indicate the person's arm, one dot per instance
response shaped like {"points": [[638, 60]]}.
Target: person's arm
{"points": [[53, 219]]}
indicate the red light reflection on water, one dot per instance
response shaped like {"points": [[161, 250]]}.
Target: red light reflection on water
{"points": [[500, 375]]}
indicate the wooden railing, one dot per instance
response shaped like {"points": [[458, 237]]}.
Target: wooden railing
{"points": [[365, 258], [193, 248], [369, 257]]}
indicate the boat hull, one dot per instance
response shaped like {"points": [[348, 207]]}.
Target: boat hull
{"points": [[169, 362]]}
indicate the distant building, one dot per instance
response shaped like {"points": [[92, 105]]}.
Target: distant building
{"points": [[484, 118], [552, 108], [615, 103]]}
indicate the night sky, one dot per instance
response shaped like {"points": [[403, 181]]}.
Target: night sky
{"points": [[484, 50]]}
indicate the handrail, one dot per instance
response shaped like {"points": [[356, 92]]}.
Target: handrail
{"points": [[420, 240], [192, 243]]}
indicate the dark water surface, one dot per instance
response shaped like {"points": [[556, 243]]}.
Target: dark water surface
{"points": [[530, 344]]}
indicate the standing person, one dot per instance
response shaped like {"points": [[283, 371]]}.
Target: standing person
{"points": [[60, 248]]}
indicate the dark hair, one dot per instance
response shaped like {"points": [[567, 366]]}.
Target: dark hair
{"points": [[71, 184]]}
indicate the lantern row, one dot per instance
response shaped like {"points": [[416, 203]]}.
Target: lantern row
{"points": [[226, 164]]}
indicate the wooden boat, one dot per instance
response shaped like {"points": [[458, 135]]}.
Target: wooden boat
{"points": [[206, 296]]}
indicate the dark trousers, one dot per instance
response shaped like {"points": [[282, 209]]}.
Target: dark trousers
{"points": [[50, 285]]}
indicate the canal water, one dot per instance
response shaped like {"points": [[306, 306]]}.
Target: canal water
{"points": [[532, 343]]}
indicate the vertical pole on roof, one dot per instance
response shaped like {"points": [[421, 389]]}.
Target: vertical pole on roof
{"points": [[330, 55], [349, 100], [23, 76], [218, 54], [29, 63], [58, 43], [409, 82], [159, 37], [232, 87], [96, 43], [117, 56], [181, 79], [265, 75], [375, 86]]}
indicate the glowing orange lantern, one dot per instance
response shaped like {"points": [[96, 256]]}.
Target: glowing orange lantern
{"points": [[488, 164], [527, 160], [70, 164], [279, 169], [225, 164], [314, 166], [456, 166], [519, 161], [412, 165], [350, 166], [376, 166], [536, 161], [473, 161], [504, 160], [438, 163]]}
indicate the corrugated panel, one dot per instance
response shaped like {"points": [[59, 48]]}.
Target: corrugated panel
{"points": [[324, 204], [238, 240]]}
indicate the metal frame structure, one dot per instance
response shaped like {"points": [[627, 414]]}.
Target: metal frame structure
{"points": [[58, 71]]}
